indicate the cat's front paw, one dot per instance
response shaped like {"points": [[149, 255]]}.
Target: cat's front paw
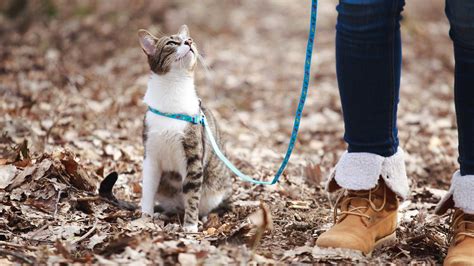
{"points": [[147, 216], [161, 217], [190, 228]]}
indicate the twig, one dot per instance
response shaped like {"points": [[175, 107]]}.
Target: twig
{"points": [[16, 255], [191, 233], [17, 245], [48, 131], [57, 203], [46, 225], [93, 198], [57, 117], [36, 240], [86, 235], [415, 238]]}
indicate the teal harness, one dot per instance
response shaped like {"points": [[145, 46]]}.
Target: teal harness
{"points": [[201, 118]]}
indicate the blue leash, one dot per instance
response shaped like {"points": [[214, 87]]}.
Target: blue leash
{"points": [[201, 118]]}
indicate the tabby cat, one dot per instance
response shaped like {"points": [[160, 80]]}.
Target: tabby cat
{"points": [[180, 169]]}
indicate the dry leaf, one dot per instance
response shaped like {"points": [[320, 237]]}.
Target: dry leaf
{"points": [[187, 259], [314, 175], [95, 240], [70, 114], [7, 173]]}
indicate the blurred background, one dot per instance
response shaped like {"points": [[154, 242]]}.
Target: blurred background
{"points": [[72, 75]]}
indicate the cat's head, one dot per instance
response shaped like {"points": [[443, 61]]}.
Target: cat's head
{"points": [[172, 52]]}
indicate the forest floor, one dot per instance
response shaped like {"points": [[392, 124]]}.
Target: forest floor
{"points": [[72, 79]]}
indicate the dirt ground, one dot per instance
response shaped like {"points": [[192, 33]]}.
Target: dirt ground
{"points": [[72, 79]]}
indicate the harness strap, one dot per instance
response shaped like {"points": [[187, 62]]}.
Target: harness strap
{"points": [[197, 119]]}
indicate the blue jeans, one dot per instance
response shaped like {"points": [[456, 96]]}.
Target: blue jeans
{"points": [[368, 62]]}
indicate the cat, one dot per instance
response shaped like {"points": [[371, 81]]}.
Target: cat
{"points": [[180, 169]]}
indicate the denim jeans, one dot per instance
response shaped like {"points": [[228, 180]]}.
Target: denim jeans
{"points": [[368, 62]]}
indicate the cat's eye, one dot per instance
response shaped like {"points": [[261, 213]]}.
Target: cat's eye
{"points": [[171, 43]]}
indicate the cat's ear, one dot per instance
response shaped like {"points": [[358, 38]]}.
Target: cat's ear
{"points": [[147, 41], [184, 31]]}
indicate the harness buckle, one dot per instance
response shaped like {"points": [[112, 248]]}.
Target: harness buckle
{"points": [[195, 119], [198, 119]]}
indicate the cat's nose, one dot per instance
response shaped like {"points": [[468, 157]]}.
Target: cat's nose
{"points": [[188, 42]]}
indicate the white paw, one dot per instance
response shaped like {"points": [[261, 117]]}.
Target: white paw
{"points": [[190, 228], [146, 217], [161, 217], [147, 211]]}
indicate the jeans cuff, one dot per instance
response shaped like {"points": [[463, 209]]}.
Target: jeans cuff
{"points": [[459, 195], [362, 171]]}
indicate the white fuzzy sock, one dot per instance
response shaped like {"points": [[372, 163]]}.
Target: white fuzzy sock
{"points": [[461, 192], [361, 171]]}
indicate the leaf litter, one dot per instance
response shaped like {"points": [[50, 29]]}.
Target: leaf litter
{"points": [[71, 84]]}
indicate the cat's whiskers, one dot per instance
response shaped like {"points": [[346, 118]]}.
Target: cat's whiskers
{"points": [[203, 63]]}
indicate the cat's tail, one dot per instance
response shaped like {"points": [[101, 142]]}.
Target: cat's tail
{"points": [[106, 192]]}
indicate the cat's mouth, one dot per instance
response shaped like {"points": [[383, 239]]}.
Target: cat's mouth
{"points": [[185, 54]]}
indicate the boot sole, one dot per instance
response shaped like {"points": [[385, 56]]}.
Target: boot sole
{"points": [[388, 240], [330, 251]]}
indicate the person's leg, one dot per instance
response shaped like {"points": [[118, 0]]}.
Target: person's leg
{"points": [[368, 55], [368, 64], [461, 17]]}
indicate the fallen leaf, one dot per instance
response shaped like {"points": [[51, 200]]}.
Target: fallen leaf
{"points": [[95, 240], [187, 259], [299, 204], [7, 173], [314, 175]]}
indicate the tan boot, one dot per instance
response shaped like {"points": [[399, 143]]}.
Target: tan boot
{"points": [[368, 219], [461, 251]]}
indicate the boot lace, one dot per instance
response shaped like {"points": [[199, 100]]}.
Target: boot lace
{"points": [[344, 203]]}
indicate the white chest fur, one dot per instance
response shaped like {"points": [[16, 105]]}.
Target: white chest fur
{"points": [[164, 143], [173, 92]]}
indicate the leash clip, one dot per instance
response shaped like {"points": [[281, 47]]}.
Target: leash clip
{"points": [[196, 119]]}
